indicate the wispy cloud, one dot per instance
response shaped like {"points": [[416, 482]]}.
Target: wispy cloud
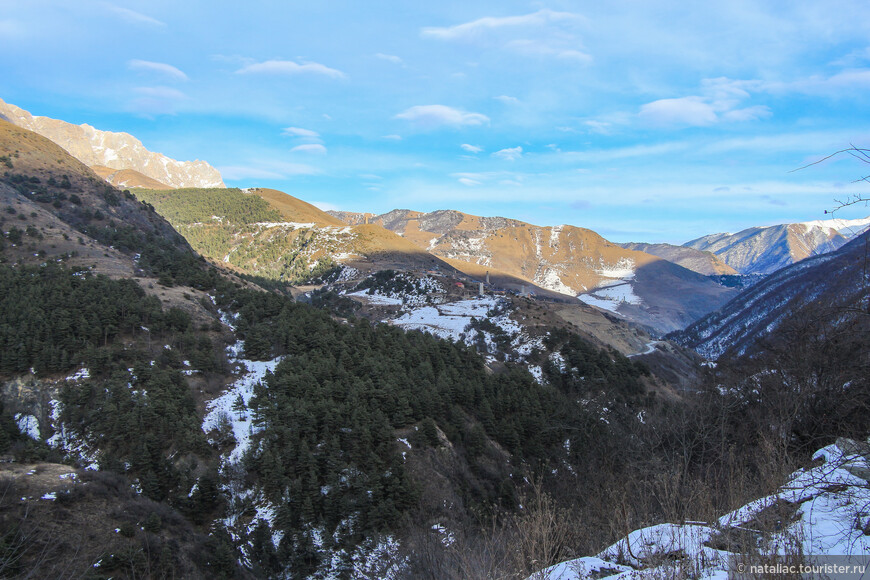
{"points": [[161, 92], [509, 154], [289, 67], [313, 148], [542, 34], [299, 132], [471, 148], [390, 58], [432, 116], [507, 100], [837, 85], [158, 67], [482, 25], [132, 16], [468, 181]]}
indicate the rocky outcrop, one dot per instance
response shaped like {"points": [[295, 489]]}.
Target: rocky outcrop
{"points": [[117, 151]]}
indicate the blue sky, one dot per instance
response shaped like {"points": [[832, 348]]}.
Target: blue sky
{"points": [[643, 120]]}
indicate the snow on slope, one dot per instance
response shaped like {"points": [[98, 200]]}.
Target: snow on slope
{"points": [[823, 511], [220, 412], [453, 321], [763, 250], [610, 295], [847, 228], [446, 320]]}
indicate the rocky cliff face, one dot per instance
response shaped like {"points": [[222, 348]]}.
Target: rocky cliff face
{"points": [[117, 151]]}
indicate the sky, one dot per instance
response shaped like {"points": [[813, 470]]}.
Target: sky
{"points": [[643, 120]]}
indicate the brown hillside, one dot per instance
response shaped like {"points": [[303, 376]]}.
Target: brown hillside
{"points": [[563, 259], [296, 210], [127, 178]]}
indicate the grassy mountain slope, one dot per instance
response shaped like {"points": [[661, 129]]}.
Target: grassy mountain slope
{"points": [[270, 234]]}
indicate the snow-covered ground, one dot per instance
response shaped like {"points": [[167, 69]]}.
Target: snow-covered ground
{"points": [[427, 290], [223, 412], [28, 425], [831, 511], [611, 294]]}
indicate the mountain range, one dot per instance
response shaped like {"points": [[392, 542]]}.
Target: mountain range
{"points": [[565, 259], [362, 420], [764, 250]]}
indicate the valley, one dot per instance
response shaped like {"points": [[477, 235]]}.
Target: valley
{"points": [[226, 382]]}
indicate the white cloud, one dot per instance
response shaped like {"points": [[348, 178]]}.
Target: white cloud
{"points": [[390, 58], [480, 26], [719, 103], [835, 85], [392, 137], [471, 148], [691, 111], [288, 67], [509, 154], [440, 115], [542, 34], [314, 148], [132, 16], [299, 132], [507, 100], [468, 181], [159, 67]]}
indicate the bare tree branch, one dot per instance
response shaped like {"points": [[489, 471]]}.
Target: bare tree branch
{"points": [[862, 155]]}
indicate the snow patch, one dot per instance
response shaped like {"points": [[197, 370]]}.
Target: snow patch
{"points": [[28, 425]]}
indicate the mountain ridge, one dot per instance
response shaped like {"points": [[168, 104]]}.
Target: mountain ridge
{"points": [[766, 249], [569, 260], [117, 151]]}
